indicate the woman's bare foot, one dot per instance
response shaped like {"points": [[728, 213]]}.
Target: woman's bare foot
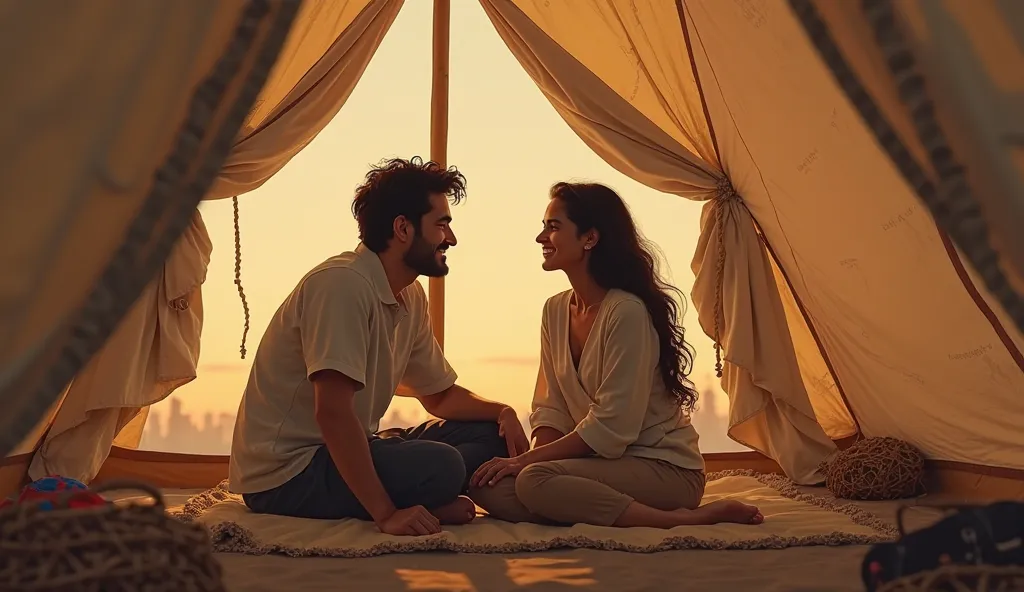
{"points": [[461, 511], [721, 511]]}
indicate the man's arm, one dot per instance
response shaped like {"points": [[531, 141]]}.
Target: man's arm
{"points": [[460, 404], [347, 443], [335, 307], [431, 380]]}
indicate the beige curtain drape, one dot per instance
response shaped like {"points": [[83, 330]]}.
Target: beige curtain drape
{"points": [[622, 78], [331, 43], [114, 113], [156, 348], [854, 308]]}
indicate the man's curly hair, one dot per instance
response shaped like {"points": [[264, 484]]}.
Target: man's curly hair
{"points": [[398, 187]]}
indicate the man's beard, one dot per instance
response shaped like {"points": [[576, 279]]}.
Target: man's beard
{"points": [[422, 258]]}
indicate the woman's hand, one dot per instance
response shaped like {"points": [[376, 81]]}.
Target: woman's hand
{"points": [[497, 469]]}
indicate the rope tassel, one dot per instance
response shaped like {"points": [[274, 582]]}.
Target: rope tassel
{"points": [[238, 275], [724, 193]]}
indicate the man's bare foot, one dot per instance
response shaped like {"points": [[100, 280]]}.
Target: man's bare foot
{"points": [[461, 511], [721, 511]]}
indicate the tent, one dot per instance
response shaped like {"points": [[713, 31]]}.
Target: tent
{"points": [[857, 263]]}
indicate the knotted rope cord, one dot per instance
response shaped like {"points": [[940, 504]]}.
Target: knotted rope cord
{"points": [[724, 193], [238, 274]]}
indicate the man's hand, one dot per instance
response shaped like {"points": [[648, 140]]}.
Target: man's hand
{"points": [[346, 441], [414, 521], [511, 429], [458, 404], [497, 469]]}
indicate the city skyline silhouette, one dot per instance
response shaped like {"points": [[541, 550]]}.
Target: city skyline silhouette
{"points": [[210, 432]]}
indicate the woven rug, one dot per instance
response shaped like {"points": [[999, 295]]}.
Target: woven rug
{"points": [[792, 519]]}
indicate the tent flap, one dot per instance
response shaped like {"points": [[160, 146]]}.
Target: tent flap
{"points": [[948, 112], [738, 302], [613, 127], [331, 43], [155, 348], [117, 142], [916, 356]]}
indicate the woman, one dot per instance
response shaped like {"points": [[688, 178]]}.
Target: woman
{"points": [[612, 443]]}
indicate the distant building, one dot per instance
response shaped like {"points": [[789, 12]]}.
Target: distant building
{"points": [[179, 432]]}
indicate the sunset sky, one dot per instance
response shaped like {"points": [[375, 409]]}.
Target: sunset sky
{"points": [[511, 145]]}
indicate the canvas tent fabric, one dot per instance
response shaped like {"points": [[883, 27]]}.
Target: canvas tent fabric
{"points": [[840, 307], [939, 84], [113, 139], [155, 348], [328, 49]]}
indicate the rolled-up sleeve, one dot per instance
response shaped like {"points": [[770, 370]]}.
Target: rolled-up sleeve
{"points": [[334, 322], [549, 408], [428, 371], [628, 365]]}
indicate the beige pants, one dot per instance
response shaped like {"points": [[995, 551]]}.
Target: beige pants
{"points": [[590, 490]]}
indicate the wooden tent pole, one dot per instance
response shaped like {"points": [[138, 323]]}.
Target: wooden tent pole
{"points": [[439, 139]]}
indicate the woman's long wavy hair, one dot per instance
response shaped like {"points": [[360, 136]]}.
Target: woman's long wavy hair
{"points": [[625, 260]]}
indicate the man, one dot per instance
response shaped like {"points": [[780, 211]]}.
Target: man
{"points": [[351, 335]]}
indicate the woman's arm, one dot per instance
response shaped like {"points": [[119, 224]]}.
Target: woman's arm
{"points": [[496, 469], [570, 446], [545, 435], [550, 415], [629, 363], [620, 404]]}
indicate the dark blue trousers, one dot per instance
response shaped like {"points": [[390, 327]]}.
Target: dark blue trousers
{"points": [[427, 465]]}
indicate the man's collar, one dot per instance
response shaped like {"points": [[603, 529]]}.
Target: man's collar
{"points": [[372, 264]]}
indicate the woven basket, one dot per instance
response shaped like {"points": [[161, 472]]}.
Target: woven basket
{"points": [[113, 547], [876, 469]]}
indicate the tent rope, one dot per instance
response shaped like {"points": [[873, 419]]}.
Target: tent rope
{"points": [[238, 274], [724, 194]]}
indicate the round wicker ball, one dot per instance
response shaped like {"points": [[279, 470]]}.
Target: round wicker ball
{"points": [[876, 469]]}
